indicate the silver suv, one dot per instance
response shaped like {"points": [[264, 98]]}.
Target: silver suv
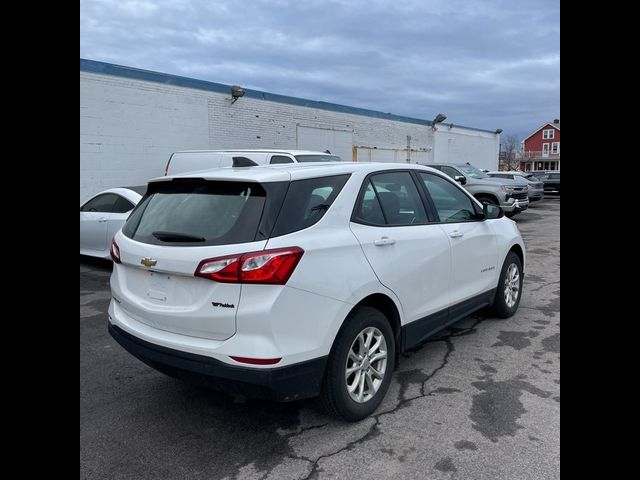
{"points": [[511, 195]]}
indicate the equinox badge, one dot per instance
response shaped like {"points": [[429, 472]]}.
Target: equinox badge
{"points": [[148, 262]]}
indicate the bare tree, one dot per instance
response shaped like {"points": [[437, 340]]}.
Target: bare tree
{"points": [[509, 149]]}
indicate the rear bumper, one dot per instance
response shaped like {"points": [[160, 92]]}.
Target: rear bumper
{"points": [[292, 382]]}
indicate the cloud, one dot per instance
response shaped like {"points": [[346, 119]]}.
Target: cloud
{"points": [[488, 64]]}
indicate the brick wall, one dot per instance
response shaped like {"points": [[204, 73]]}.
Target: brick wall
{"points": [[129, 127]]}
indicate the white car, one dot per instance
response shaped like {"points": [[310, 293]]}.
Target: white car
{"points": [[290, 281], [103, 215], [193, 160]]}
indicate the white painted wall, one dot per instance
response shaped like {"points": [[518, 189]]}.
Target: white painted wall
{"points": [[129, 128], [462, 145], [339, 142]]}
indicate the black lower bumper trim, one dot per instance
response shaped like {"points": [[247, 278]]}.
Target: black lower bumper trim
{"points": [[293, 382]]}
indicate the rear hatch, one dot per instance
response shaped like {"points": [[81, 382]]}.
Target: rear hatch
{"points": [[176, 226]]}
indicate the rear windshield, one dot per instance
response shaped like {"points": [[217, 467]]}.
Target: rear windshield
{"points": [[318, 158], [197, 212]]}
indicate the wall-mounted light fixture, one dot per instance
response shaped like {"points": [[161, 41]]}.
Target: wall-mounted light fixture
{"points": [[498, 131], [441, 117], [236, 92]]}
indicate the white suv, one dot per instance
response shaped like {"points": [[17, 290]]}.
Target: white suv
{"points": [[290, 281]]}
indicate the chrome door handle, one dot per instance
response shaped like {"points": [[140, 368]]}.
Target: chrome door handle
{"points": [[384, 241], [456, 234], [102, 220]]}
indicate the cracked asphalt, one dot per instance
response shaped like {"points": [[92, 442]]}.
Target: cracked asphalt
{"points": [[480, 401]]}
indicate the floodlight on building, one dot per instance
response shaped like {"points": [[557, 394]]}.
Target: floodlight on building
{"points": [[236, 92]]}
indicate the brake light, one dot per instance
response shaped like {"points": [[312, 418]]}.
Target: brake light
{"points": [[273, 267], [115, 252]]}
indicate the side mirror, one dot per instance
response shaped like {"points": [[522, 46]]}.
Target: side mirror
{"points": [[460, 178], [491, 211]]}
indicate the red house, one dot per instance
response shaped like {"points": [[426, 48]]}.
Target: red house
{"points": [[541, 149]]}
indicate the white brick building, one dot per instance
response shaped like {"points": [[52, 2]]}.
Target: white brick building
{"points": [[131, 121]]}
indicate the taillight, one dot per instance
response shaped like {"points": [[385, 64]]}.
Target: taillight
{"points": [[257, 361], [272, 267], [115, 252]]}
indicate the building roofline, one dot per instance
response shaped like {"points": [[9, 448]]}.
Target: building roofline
{"points": [[94, 66], [538, 129]]}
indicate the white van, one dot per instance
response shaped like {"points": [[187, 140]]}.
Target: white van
{"points": [[192, 160]]}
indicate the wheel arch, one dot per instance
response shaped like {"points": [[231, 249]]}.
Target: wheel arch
{"points": [[519, 251], [391, 310], [480, 196]]}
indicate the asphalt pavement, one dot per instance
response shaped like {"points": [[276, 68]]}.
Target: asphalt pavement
{"points": [[480, 401]]}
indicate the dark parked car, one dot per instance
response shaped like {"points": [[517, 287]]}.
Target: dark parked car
{"points": [[551, 181]]}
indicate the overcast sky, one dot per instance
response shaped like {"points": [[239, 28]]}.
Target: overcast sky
{"points": [[486, 64]]}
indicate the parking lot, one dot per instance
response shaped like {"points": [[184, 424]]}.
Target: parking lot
{"points": [[479, 401]]}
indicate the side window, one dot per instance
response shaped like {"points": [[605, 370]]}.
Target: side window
{"points": [[122, 205], [452, 172], [369, 210], [451, 203], [306, 203], [280, 159], [397, 195], [102, 203]]}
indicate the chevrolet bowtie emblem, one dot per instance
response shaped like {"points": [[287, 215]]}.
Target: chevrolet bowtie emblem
{"points": [[148, 262]]}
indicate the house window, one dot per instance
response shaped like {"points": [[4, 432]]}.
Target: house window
{"points": [[545, 149], [555, 148], [548, 134]]}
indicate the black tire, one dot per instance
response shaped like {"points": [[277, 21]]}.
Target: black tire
{"points": [[334, 395], [500, 307], [485, 199]]}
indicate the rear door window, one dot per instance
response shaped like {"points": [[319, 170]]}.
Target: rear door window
{"points": [[102, 203], [197, 212], [280, 159], [306, 202]]}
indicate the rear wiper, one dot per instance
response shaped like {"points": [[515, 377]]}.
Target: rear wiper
{"points": [[176, 237]]}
